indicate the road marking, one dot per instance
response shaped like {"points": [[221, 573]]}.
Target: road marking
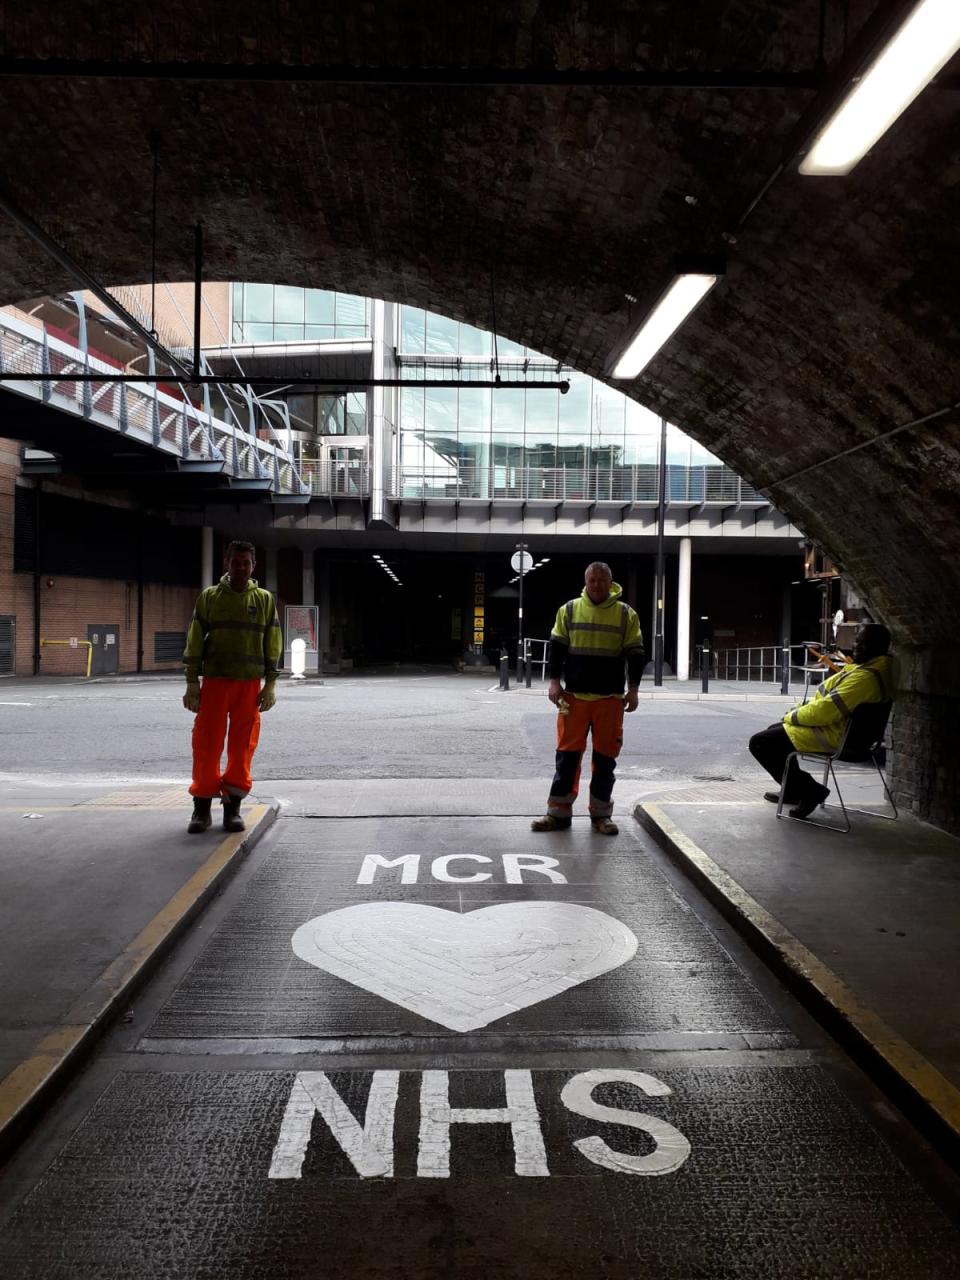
{"points": [[370, 1146], [465, 971], [21, 1088], [16, 704]]}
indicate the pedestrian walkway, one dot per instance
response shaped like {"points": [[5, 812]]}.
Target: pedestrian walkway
{"points": [[866, 922], [98, 882]]}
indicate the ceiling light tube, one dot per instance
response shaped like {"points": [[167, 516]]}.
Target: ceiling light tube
{"points": [[683, 295], [925, 42]]}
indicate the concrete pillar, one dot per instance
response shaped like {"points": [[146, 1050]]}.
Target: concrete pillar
{"points": [[208, 574], [323, 608], [270, 570], [308, 594], [683, 609]]}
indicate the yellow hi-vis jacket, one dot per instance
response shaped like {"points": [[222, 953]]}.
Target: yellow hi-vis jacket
{"points": [[235, 634], [591, 643], [819, 725]]}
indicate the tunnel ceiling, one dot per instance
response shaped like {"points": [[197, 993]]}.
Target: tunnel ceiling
{"points": [[837, 319]]}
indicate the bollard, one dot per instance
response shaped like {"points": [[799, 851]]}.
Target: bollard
{"points": [[528, 664], [785, 666], [504, 672], [705, 668]]}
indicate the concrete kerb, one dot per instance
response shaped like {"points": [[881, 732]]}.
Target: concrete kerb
{"points": [[31, 1085], [909, 1079]]}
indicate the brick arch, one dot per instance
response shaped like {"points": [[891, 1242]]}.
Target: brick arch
{"points": [[835, 324]]}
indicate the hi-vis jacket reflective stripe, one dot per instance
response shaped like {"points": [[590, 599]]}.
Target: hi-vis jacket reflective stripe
{"points": [[235, 634], [591, 642], [819, 725]]}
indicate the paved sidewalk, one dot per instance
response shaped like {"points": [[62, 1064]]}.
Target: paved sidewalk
{"points": [[866, 921], [98, 881]]}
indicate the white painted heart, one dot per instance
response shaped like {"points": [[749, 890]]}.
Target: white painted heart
{"points": [[465, 971]]}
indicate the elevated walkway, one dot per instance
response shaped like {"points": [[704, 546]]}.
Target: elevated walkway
{"points": [[117, 432]]}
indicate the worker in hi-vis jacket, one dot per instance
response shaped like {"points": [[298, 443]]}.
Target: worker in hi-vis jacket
{"points": [[819, 725], [593, 639], [234, 642]]}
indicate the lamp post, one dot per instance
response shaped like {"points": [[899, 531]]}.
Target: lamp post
{"points": [[520, 562], [661, 504]]}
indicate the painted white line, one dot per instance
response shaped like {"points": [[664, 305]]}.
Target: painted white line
{"points": [[16, 704]]}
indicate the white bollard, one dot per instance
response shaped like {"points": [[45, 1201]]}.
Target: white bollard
{"points": [[298, 659]]}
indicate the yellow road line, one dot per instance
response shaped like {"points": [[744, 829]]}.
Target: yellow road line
{"points": [[21, 1087], [922, 1078]]}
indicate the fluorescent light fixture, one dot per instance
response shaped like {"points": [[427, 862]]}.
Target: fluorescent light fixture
{"points": [[685, 292], [927, 40]]}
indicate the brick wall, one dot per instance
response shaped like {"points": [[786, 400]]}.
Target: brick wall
{"points": [[925, 756], [70, 605]]}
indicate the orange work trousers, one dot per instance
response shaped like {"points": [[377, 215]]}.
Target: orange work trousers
{"points": [[222, 700], [603, 718]]}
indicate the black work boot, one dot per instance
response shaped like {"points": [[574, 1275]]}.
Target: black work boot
{"points": [[200, 819], [231, 814]]}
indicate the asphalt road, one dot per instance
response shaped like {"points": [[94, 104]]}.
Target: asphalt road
{"points": [[400, 726]]}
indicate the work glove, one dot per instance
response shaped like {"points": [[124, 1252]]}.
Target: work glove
{"points": [[268, 696], [191, 699]]}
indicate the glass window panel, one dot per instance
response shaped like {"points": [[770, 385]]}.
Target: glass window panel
{"points": [[238, 301], [353, 332], [575, 407], [237, 331], [508, 413], [441, 410], [678, 447], [508, 350], [474, 342], [356, 413], [608, 410], [287, 305], [288, 333], [303, 411], [351, 310], [258, 333], [318, 306], [330, 415], [258, 303], [412, 329], [411, 409], [475, 410], [543, 408], [318, 332], [442, 335]]}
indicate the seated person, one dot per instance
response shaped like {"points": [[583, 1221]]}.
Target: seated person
{"points": [[818, 725]]}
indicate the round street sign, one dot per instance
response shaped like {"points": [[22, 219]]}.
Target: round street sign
{"points": [[521, 562]]}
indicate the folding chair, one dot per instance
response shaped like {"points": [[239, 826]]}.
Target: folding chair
{"points": [[862, 743]]}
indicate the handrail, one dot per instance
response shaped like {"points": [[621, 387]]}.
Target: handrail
{"points": [[74, 643]]}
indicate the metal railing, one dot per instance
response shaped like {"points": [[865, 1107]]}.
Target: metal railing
{"points": [[690, 486], [758, 662], [337, 479], [531, 659], [142, 411]]}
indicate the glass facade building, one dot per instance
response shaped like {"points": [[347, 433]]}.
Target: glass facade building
{"points": [[591, 443], [263, 313], [471, 442]]}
